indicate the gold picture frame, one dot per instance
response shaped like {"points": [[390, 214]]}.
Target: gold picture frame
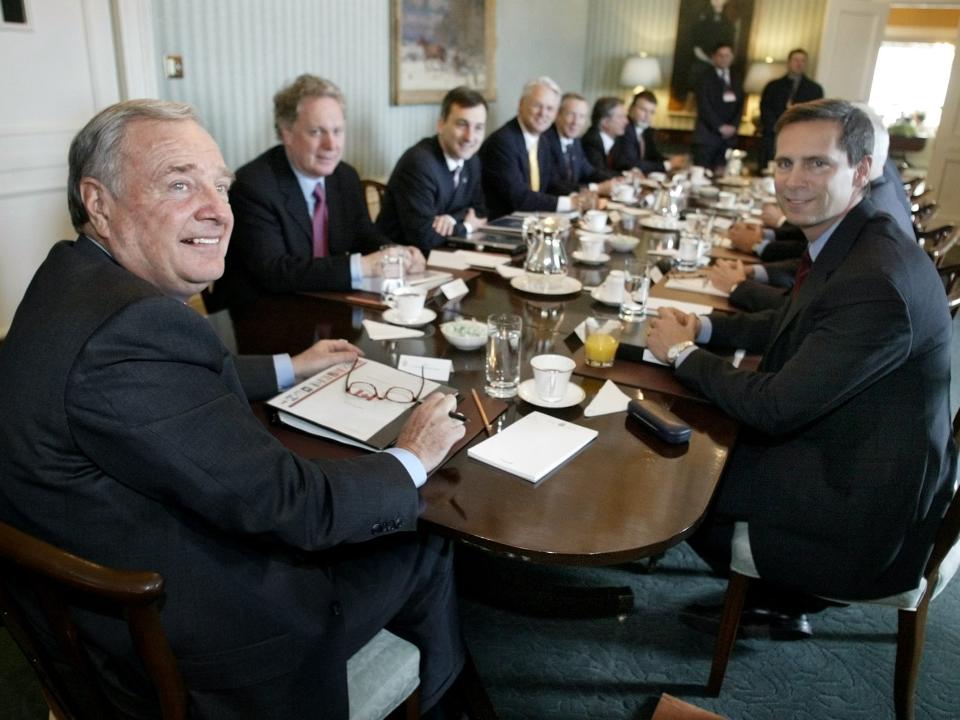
{"points": [[436, 45]]}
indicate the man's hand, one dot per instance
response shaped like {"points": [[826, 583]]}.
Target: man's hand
{"points": [[607, 186], [321, 355], [431, 432], [727, 131], [724, 274], [413, 261], [473, 221], [745, 235], [678, 162], [444, 225], [772, 215], [671, 327]]}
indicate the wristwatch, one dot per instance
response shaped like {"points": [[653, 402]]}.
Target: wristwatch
{"points": [[673, 352]]}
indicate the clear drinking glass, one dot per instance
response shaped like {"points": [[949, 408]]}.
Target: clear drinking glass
{"points": [[503, 355], [636, 290], [391, 270], [688, 254]]}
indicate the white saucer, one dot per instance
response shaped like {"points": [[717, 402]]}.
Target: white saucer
{"points": [[733, 182], [655, 222], [606, 229], [597, 294], [426, 316], [598, 260], [573, 396], [544, 285]]}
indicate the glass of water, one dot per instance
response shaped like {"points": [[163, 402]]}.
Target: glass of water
{"points": [[688, 253], [636, 290], [503, 355], [391, 270]]}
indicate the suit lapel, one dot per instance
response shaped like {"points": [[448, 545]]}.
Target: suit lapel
{"points": [[829, 259], [445, 177], [293, 196]]}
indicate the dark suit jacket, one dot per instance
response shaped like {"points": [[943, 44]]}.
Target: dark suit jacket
{"points": [[626, 151], [580, 172], [845, 464], [593, 148], [887, 193], [126, 437], [506, 173], [271, 249], [420, 188], [712, 112], [773, 103]]}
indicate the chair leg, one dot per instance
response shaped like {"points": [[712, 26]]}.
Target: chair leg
{"points": [[911, 631], [727, 634]]}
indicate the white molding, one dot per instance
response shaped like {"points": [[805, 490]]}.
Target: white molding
{"points": [[137, 60], [101, 52]]}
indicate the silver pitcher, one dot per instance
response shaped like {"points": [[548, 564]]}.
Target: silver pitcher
{"points": [[546, 245], [735, 162]]}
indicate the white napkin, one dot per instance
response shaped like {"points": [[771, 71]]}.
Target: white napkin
{"points": [[651, 358], [482, 259], [581, 329], [385, 331], [610, 399], [656, 303], [696, 284], [445, 259], [509, 271]]}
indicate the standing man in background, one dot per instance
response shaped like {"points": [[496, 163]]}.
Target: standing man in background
{"points": [[719, 107], [779, 94]]}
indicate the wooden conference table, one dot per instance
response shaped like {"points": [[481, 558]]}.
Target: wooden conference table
{"points": [[626, 496]]}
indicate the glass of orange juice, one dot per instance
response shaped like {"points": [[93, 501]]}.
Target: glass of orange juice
{"points": [[602, 340]]}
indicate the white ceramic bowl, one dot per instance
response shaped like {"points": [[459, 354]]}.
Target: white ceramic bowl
{"points": [[622, 243], [465, 334]]}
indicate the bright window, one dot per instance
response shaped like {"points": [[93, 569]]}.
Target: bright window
{"points": [[909, 78]]}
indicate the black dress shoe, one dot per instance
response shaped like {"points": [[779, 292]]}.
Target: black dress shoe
{"points": [[755, 623]]}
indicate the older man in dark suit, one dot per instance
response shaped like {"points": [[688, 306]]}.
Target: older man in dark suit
{"points": [[434, 191], [571, 168], [608, 121], [301, 218], [779, 94], [719, 107], [840, 494], [516, 163], [126, 437]]}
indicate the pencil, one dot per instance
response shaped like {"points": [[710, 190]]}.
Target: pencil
{"points": [[483, 415]]}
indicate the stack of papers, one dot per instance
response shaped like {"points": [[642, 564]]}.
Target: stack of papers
{"points": [[533, 446], [463, 259], [696, 284]]}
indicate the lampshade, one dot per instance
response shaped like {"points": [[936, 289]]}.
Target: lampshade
{"points": [[641, 70], [759, 74]]}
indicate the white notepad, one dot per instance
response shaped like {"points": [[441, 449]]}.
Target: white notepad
{"points": [[533, 446]]}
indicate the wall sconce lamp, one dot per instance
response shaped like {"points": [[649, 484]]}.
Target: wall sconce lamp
{"points": [[760, 73]]}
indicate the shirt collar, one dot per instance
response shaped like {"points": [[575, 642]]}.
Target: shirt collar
{"points": [[97, 243], [307, 184], [565, 142], [453, 164], [528, 138], [817, 245]]}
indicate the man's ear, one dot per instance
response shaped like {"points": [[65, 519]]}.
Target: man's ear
{"points": [[98, 202], [861, 177]]}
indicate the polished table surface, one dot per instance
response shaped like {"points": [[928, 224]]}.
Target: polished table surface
{"points": [[627, 495]]}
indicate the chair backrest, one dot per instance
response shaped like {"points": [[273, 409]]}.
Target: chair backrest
{"points": [[40, 583], [373, 191], [939, 242]]}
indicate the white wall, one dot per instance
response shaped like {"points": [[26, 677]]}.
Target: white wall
{"points": [[238, 53]]}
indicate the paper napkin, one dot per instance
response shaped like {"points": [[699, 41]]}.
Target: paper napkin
{"points": [[610, 399], [509, 271], [385, 331]]}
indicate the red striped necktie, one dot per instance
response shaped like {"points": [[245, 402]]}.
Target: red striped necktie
{"points": [[803, 269]]}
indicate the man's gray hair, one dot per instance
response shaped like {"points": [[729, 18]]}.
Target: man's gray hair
{"points": [[881, 140], [95, 151], [287, 101], [543, 81]]}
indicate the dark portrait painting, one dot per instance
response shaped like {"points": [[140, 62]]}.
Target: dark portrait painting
{"points": [[701, 26]]}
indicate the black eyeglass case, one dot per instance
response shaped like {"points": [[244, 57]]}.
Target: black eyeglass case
{"points": [[663, 423]]}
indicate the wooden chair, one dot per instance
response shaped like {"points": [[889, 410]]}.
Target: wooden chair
{"points": [[938, 242], [41, 582], [911, 605], [915, 187], [373, 191], [921, 213]]}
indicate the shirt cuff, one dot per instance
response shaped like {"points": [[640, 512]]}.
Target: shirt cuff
{"points": [[468, 228], [412, 464], [760, 274], [593, 187], [283, 368], [356, 270], [684, 355], [706, 330], [564, 204]]}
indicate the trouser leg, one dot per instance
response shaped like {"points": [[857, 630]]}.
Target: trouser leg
{"points": [[406, 584]]}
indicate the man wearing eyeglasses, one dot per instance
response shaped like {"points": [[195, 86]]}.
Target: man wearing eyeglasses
{"points": [[126, 436]]}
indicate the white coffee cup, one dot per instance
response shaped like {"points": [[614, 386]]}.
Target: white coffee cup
{"points": [[698, 173], [551, 373], [595, 220], [409, 302], [612, 288], [726, 199], [624, 193], [657, 176], [591, 247]]}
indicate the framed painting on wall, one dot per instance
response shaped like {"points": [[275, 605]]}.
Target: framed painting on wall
{"points": [[700, 26], [437, 45]]}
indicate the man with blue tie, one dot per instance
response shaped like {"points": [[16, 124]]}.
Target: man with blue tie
{"points": [[517, 167], [434, 191], [301, 219], [571, 168]]}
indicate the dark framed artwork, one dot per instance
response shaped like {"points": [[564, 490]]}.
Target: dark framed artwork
{"points": [[437, 45], [700, 26]]}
